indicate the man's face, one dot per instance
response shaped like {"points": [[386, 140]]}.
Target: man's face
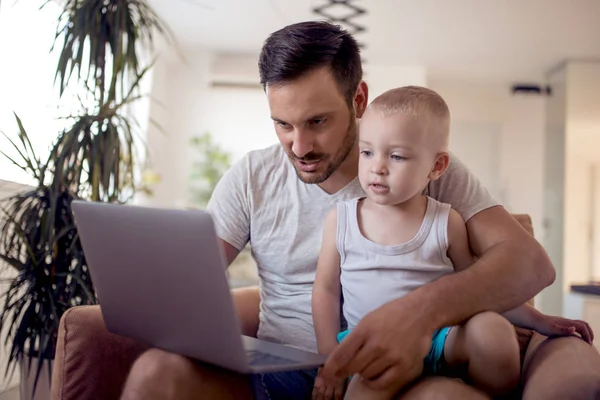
{"points": [[314, 124]]}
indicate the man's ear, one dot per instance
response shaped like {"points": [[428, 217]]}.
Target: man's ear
{"points": [[361, 99], [442, 160]]}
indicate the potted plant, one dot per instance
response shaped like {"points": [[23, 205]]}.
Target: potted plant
{"points": [[95, 158]]}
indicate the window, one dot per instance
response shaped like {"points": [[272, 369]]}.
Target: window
{"points": [[27, 71]]}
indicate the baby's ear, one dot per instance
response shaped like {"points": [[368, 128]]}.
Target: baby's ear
{"points": [[442, 160]]}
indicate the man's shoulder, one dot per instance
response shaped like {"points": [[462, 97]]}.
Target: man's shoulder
{"points": [[264, 160], [275, 150]]}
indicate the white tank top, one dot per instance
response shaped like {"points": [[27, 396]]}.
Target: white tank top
{"points": [[373, 274]]}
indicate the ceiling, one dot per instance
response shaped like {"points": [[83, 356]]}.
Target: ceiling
{"points": [[508, 40]]}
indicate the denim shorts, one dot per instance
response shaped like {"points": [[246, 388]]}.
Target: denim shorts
{"points": [[292, 385]]}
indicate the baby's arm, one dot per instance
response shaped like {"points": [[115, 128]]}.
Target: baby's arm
{"points": [[326, 290], [459, 251]]}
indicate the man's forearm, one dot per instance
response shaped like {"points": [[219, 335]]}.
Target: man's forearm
{"points": [[506, 276]]}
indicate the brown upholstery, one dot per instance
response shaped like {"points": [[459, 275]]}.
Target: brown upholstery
{"points": [[92, 363]]}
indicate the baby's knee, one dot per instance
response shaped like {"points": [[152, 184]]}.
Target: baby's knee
{"points": [[488, 325], [492, 335]]}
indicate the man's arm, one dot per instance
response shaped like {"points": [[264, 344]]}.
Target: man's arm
{"points": [[231, 252], [512, 267], [524, 315], [326, 289], [229, 207]]}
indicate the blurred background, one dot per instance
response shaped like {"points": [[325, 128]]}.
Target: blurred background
{"points": [[521, 78]]}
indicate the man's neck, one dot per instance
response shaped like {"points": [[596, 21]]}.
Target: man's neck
{"points": [[346, 172]]}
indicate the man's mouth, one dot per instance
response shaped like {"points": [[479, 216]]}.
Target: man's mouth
{"points": [[308, 166]]}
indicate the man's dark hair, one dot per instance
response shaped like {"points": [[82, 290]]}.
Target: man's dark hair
{"points": [[298, 49]]}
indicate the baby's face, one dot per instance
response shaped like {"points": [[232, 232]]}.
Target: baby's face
{"points": [[396, 156]]}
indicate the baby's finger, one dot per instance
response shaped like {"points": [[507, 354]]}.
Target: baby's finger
{"points": [[584, 330]]}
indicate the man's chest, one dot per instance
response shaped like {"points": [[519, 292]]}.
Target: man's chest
{"points": [[286, 238], [286, 227]]}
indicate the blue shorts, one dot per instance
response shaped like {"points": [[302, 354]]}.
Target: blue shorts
{"points": [[292, 385], [435, 358]]}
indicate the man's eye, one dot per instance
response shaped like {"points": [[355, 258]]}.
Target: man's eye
{"points": [[318, 121], [283, 124]]}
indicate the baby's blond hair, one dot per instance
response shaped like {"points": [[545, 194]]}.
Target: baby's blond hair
{"points": [[418, 102]]}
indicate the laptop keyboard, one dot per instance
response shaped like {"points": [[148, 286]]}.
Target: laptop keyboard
{"points": [[260, 358]]}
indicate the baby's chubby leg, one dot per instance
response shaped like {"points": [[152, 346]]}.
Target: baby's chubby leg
{"points": [[486, 345]]}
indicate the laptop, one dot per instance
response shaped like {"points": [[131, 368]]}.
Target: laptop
{"points": [[159, 275]]}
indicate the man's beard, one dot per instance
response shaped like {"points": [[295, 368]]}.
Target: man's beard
{"points": [[338, 158]]}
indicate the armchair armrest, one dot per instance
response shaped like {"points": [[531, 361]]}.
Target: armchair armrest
{"points": [[90, 363]]}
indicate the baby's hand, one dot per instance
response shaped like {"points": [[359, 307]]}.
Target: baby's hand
{"points": [[325, 390], [558, 326]]}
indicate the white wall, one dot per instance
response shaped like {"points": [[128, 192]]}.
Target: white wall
{"points": [[554, 188], [520, 121], [583, 141], [595, 202], [381, 78], [578, 224], [26, 80], [180, 96], [7, 189]]}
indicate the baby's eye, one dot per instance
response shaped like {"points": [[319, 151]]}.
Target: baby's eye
{"points": [[396, 157], [366, 153]]}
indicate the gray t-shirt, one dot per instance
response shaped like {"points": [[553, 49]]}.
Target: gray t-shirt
{"points": [[261, 200]]}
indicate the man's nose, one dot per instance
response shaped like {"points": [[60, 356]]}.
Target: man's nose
{"points": [[303, 143]]}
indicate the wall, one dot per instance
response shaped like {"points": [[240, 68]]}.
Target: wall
{"points": [[554, 188], [6, 189], [381, 78], [520, 121], [179, 92], [582, 143], [595, 202], [28, 68]]}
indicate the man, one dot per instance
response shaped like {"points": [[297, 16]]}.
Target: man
{"points": [[277, 199]]}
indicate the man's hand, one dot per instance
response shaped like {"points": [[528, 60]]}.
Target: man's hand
{"points": [[326, 389], [557, 326], [386, 348]]}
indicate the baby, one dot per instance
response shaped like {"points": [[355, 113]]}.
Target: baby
{"points": [[396, 239]]}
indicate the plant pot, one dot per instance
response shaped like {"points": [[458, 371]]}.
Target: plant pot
{"points": [[42, 391]]}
